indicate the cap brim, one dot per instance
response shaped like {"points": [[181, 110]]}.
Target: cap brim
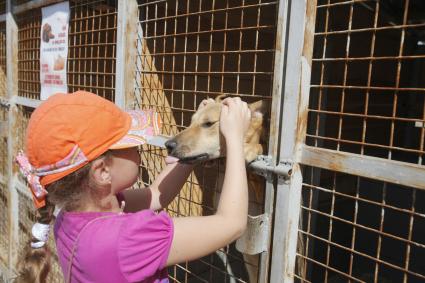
{"points": [[145, 125]]}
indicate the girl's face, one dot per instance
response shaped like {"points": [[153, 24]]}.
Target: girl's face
{"points": [[124, 168]]}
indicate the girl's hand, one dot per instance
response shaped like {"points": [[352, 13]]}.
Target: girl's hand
{"points": [[234, 119]]}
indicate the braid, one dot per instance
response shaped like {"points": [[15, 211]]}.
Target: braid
{"points": [[67, 193], [34, 265]]}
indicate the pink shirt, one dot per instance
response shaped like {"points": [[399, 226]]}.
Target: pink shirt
{"points": [[121, 247]]}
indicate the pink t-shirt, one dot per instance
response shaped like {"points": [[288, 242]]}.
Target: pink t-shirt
{"points": [[117, 247]]}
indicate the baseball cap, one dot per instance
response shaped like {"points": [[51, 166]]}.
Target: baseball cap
{"points": [[67, 131]]}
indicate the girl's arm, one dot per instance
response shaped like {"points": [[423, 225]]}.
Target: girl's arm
{"points": [[162, 191], [165, 187], [195, 237]]}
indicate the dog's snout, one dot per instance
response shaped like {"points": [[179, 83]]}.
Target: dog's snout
{"points": [[170, 145]]}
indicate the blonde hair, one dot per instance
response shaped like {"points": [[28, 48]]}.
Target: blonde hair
{"points": [[67, 193]]}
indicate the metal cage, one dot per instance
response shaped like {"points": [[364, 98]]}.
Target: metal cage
{"points": [[188, 51], [91, 54], [366, 98], [343, 168]]}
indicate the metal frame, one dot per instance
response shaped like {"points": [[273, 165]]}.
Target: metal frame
{"points": [[12, 89], [396, 172], [287, 148], [288, 191], [360, 166], [126, 51], [14, 102]]}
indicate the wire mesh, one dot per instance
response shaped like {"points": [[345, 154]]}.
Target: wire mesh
{"points": [[22, 118], [29, 25], [27, 217], [55, 274], [3, 144], [27, 212], [91, 49], [2, 7], [360, 230], [4, 224], [189, 51], [367, 89], [20, 2], [3, 69]]}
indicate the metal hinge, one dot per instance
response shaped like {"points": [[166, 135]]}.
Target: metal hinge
{"points": [[263, 166], [255, 238], [4, 103]]}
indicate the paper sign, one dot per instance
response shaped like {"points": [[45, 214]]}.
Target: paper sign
{"points": [[54, 49]]}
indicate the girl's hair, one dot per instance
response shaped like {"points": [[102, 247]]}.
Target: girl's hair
{"points": [[66, 193]]}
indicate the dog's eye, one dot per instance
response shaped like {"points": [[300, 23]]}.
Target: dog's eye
{"points": [[207, 124]]}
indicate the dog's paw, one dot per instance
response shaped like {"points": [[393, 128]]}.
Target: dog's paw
{"points": [[252, 151]]}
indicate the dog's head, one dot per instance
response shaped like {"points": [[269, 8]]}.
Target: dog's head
{"points": [[202, 140]]}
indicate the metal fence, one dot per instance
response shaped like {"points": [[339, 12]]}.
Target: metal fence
{"points": [[91, 54], [343, 170], [188, 51], [366, 98]]}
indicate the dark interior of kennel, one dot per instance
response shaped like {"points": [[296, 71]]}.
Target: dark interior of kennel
{"points": [[197, 50], [366, 97]]}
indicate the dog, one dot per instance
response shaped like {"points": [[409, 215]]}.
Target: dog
{"points": [[47, 33], [202, 141]]}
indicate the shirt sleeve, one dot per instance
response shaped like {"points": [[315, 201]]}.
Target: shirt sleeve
{"points": [[144, 244]]}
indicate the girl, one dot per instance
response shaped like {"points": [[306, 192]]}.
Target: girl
{"points": [[81, 155]]}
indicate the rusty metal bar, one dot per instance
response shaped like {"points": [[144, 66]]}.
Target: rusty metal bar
{"points": [[211, 31], [212, 93], [321, 86], [366, 166], [353, 251], [366, 201], [207, 72], [227, 9], [368, 144], [393, 27], [369, 58], [342, 3], [187, 55], [365, 115], [212, 52], [330, 268]]}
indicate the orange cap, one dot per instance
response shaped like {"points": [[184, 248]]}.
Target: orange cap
{"points": [[81, 124]]}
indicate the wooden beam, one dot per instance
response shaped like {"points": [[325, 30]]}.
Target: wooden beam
{"points": [[402, 173]]}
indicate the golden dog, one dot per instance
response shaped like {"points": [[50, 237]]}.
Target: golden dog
{"points": [[202, 141]]}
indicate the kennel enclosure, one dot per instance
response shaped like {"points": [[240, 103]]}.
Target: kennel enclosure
{"points": [[343, 166]]}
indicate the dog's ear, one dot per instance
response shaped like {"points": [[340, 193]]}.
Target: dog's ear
{"points": [[259, 107]]}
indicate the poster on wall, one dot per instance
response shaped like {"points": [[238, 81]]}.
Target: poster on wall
{"points": [[54, 49]]}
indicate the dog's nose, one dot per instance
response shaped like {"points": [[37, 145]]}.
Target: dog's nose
{"points": [[170, 145]]}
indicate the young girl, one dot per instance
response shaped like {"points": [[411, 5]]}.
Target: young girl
{"points": [[81, 155]]}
